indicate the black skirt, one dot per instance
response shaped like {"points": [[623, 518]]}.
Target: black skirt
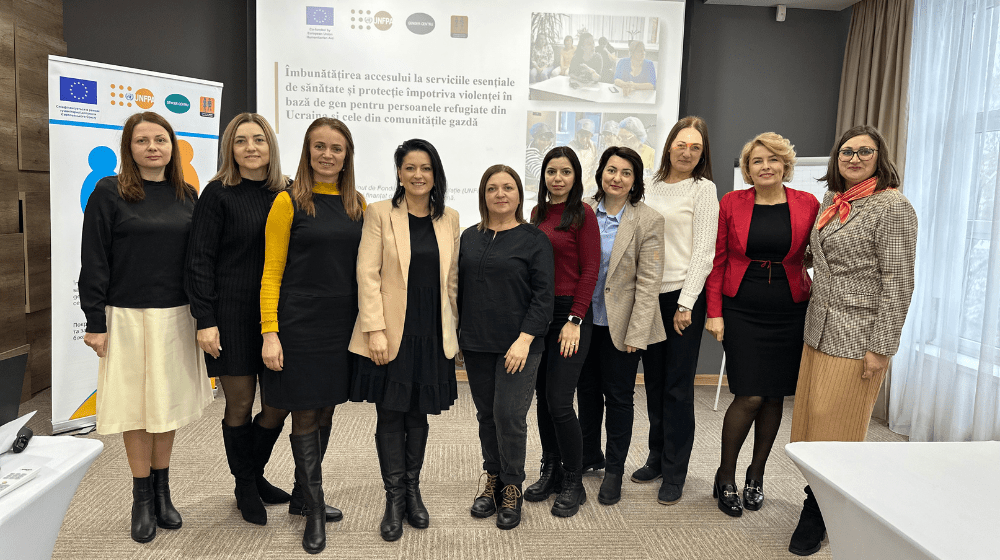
{"points": [[315, 333], [420, 379], [239, 335]]}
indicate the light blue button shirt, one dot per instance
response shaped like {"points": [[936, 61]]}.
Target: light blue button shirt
{"points": [[609, 229]]}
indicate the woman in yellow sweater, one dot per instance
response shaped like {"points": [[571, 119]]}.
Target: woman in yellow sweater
{"points": [[309, 289]]}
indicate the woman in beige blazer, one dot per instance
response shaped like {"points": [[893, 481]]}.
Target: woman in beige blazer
{"points": [[405, 334], [625, 308], [863, 249]]}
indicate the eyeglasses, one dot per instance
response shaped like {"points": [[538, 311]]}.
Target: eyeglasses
{"points": [[864, 154]]}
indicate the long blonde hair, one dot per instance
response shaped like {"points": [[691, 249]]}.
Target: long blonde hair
{"points": [[229, 170], [302, 186], [130, 179]]}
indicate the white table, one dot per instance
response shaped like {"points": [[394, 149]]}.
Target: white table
{"points": [[31, 515], [558, 89], [905, 500]]}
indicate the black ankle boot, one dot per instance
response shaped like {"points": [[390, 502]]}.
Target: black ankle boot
{"points": [[573, 495], [611, 489], [392, 461], [809, 533], [239, 442], [309, 476], [263, 444], [509, 514], [296, 505], [485, 504], [548, 476], [166, 515], [416, 444], [143, 511]]}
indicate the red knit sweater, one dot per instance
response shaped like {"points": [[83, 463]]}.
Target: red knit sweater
{"points": [[577, 253]]}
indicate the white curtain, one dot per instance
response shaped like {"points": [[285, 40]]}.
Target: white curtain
{"points": [[946, 376]]}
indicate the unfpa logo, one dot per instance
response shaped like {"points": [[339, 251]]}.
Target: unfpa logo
{"points": [[383, 21], [144, 98]]}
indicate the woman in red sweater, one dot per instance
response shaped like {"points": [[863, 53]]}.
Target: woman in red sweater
{"points": [[572, 229], [757, 296]]}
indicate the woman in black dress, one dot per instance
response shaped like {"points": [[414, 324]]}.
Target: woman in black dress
{"points": [[406, 328], [506, 298], [757, 295], [309, 289], [225, 260]]}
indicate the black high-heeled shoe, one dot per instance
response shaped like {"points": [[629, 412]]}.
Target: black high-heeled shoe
{"points": [[753, 495], [729, 498]]}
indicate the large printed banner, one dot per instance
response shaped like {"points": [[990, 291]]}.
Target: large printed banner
{"points": [[88, 103], [485, 82]]}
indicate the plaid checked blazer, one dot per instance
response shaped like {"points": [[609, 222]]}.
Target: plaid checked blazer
{"points": [[862, 276], [632, 287]]}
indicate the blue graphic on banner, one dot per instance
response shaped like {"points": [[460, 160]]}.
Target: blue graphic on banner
{"points": [[316, 15], [103, 161], [77, 90]]}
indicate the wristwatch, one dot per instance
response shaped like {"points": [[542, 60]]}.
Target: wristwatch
{"points": [[575, 320], [683, 309]]}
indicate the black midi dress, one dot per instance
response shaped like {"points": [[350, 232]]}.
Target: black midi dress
{"points": [[317, 308], [420, 379], [764, 326]]}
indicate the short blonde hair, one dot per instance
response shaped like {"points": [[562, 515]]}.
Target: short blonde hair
{"points": [[777, 144]]}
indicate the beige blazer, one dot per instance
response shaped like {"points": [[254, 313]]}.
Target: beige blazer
{"points": [[862, 276], [383, 269], [632, 286]]}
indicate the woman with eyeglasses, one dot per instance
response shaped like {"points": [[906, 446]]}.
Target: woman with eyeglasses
{"points": [[683, 192], [863, 248]]}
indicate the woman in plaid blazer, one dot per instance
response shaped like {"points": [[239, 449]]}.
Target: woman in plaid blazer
{"points": [[863, 248]]}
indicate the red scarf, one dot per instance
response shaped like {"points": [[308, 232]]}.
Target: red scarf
{"points": [[842, 202]]}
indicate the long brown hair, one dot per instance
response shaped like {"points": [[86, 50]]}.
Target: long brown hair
{"points": [[484, 211], [302, 186], [130, 179], [229, 171], [885, 168], [704, 166]]}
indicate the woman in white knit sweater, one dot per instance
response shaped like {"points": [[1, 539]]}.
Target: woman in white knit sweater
{"points": [[684, 193]]}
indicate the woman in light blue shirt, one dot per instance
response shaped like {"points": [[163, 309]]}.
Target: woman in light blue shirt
{"points": [[626, 313]]}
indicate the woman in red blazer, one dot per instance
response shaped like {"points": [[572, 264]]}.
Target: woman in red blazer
{"points": [[757, 295]]}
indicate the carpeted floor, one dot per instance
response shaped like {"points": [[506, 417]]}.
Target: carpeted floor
{"points": [[97, 524]]}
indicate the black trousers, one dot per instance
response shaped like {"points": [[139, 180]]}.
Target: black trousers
{"points": [[558, 426], [607, 382], [669, 368], [502, 401]]}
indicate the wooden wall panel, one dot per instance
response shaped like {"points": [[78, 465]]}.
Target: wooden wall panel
{"points": [[31, 52], [37, 243], [12, 317], [38, 330], [8, 124], [45, 17]]}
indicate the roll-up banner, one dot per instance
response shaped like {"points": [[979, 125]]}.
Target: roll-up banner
{"points": [[485, 82], [88, 104]]}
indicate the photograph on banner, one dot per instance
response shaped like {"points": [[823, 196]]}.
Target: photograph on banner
{"points": [[88, 106], [596, 58], [588, 134], [460, 77]]}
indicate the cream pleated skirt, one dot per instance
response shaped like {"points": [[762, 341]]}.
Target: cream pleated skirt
{"points": [[153, 375], [832, 401]]}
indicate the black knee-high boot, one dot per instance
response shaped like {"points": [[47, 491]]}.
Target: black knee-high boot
{"points": [[263, 443], [239, 453], [296, 506], [416, 444], [309, 477], [392, 462]]}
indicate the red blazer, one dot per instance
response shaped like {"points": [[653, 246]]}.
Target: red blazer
{"points": [[731, 261]]}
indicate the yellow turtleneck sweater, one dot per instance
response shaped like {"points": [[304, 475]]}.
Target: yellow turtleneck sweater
{"points": [[276, 235]]}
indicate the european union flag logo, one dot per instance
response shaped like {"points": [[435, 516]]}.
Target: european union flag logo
{"points": [[77, 90], [316, 15]]}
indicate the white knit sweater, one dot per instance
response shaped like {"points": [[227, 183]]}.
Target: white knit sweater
{"points": [[691, 212]]}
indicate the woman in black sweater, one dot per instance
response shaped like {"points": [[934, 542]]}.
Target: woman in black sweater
{"points": [[505, 293], [225, 261], [151, 379]]}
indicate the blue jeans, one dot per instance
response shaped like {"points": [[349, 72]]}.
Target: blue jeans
{"points": [[502, 401]]}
